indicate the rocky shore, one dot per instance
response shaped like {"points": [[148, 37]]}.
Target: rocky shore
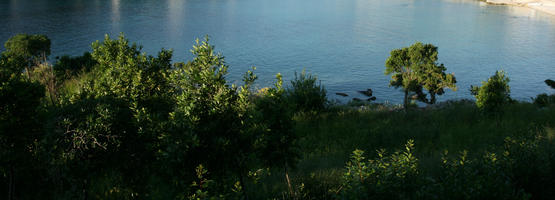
{"points": [[547, 6]]}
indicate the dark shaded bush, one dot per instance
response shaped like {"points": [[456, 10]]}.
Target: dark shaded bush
{"points": [[67, 66], [91, 140], [306, 93], [544, 99], [472, 178], [550, 83]]}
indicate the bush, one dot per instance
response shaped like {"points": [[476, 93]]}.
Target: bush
{"points": [[493, 94], [467, 178], [543, 100], [388, 177], [306, 94], [67, 67], [520, 169]]}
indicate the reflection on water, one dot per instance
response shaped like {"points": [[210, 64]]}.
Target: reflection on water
{"points": [[344, 42], [115, 15]]}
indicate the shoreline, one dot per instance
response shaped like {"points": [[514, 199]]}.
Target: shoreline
{"points": [[546, 6]]}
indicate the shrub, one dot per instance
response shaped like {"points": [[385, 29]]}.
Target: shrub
{"points": [[543, 100], [393, 176], [278, 142], [493, 94], [531, 163], [306, 94], [467, 178], [67, 67]]}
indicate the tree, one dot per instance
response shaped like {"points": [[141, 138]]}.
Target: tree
{"points": [[493, 94], [211, 120], [19, 120], [34, 49], [88, 141], [414, 68], [126, 105], [435, 81]]}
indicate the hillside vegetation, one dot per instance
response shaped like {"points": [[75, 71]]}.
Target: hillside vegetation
{"points": [[116, 123]]}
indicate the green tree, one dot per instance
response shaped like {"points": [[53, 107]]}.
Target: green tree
{"points": [[125, 84], [211, 120], [414, 68], [30, 53], [34, 49], [435, 81], [493, 94]]}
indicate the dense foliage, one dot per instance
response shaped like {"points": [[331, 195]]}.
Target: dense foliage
{"points": [[493, 94], [67, 67], [117, 123], [414, 69], [306, 94]]}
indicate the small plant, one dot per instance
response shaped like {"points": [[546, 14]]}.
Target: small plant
{"points": [[472, 178], [306, 94], [201, 185], [493, 94], [394, 176]]}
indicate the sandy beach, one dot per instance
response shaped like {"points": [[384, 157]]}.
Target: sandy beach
{"points": [[547, 6]]}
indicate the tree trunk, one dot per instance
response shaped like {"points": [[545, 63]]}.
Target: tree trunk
{"points": [[28, 70], [291, 194]]}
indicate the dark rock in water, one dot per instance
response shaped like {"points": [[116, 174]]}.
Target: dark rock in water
{"points": [[367, 92], [357, 99], [341, 94], [371, 99]]}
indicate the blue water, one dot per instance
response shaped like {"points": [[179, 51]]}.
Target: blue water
{"points": [[344, 42]]}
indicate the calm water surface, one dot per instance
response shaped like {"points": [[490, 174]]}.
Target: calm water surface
{"points": [[344, 42]]}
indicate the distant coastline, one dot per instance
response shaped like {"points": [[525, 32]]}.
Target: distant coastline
{"points": [[547, 6]]}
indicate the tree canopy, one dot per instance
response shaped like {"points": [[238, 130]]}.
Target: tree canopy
{"points": [[415, 68]]}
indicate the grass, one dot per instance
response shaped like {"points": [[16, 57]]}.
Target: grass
{"points": [[328, 138]]}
